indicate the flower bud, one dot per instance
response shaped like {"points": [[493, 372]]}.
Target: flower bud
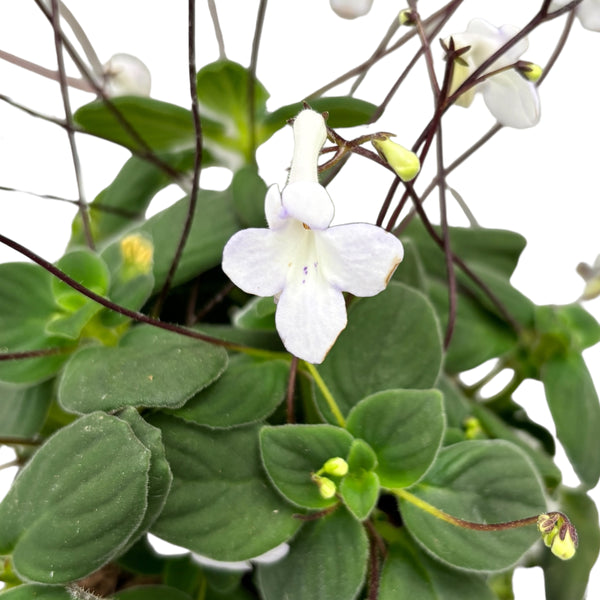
{"points": [[406, 17], [327, 488], [529, 70], [405, 163], [350, 9], [137, 252], [565, 543], [126, 75], [336, 466]]}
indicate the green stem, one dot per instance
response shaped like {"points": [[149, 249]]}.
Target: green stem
{"points": [[443, 516], [333, 407]]}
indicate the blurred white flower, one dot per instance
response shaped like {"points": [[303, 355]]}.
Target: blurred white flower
{"points": [[588, 12], [512, 99], [126, 75], [268, 557], [350, 9], [302, 261]]}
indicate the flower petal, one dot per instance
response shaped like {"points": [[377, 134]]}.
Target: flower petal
{"points": [[512, 100], [310, 316], [255, 260], [309, 203], [358, 258], [274, 212], [589, 14]]}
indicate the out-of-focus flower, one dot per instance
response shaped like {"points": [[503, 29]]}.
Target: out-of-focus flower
{"points": [[350, 9], [302, 261], [512, 99], [588, 12], [126, 75], [271, 556], [591, 276]]}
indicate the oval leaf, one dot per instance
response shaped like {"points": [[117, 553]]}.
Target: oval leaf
{"points": [[479, 481], [392, 341], [221, 504], [94, 478], [326, 561], [405, 428], [151, 367], [292, 453]]}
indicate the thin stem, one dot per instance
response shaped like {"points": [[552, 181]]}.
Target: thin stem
{"points": [[426, 47], [559, 47], [13, 463], [260, 19], [36, 353], [444, 516], [333, 407], [74, 82], [291, 387], [132, 314], [83, 208], [19, 441], [189, 218], [33, 113], [214, 15]]}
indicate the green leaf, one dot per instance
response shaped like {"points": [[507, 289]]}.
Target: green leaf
{"points": [[391, 341], [410, 574], [162, 126], [573, 402], [360, 492], [327, 560], [94, 477], [151, 367], [249, 190], [411, 271], [223, 97], [567, 580], [344, 111], [221, 504], [88, 269], [249, 391], [159, 475], [292, 453], [26, 306], [34, 591], [142, 559], [495, 427], [361, 457], [405, 428], [257, 314], [478, 335], [151, 592], [483, 482], [23, 410], [496, 249]]}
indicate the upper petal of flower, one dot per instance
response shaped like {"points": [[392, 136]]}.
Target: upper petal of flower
{"points": [[358, 258], [256, 261], [274, 211], [350, 9], [309, 203], [589, 14], [512, 100], [310, 316]]}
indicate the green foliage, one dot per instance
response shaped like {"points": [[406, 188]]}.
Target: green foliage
{"points": [[125, 428]]}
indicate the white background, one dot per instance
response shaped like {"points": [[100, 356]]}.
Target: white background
{"points": [[541, 182]]}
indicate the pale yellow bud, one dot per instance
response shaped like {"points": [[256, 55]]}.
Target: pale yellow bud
{"points": [[327, 488], [563, 544], [137, 252], [335, 466], [530, 71], [405, 163], [406, 17]]}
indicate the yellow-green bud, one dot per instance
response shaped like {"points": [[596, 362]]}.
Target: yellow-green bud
{"points": [[473, 428], [327, 488], [335, 466], [546, 524], [137, 252], [405, 163], [565, 543], [530, 71], [406, 17]]}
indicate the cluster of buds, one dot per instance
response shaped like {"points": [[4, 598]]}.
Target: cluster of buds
{"points": [[558, 534], [334, 467]]}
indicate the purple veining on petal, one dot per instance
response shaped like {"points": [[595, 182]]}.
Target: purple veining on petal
{"points": [[315, 264], [305, 270]]}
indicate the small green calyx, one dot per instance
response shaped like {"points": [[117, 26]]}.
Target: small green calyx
{"points": [[327, 489], [529, 71], [405, 163], [558, 534], [335, 466]]}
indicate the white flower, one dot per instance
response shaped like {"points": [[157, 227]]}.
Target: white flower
{"points": [[588, 12], [302, 261], [126, 75], [509, 96], [350, 9]]}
